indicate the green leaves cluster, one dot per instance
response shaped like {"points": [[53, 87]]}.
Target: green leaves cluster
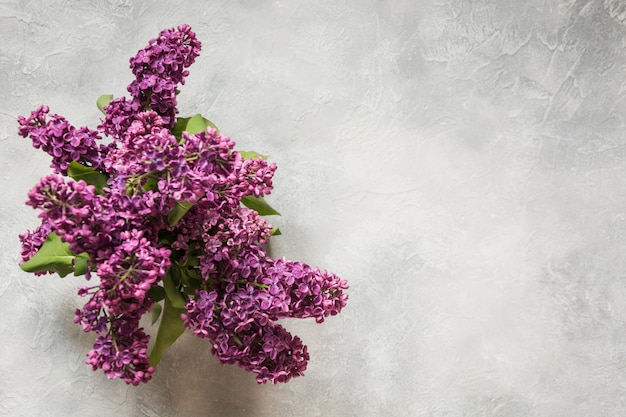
{"points": [[182, 278]]}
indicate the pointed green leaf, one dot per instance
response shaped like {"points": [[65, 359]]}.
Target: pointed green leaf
{"points": [[171, 289], [251, 155], [53, 256], [151, 184], [194, 285], [194, 275], [155, 312], [156, 293], [174, 277], [179, 128], [81, 264], [197, 124], [259, 205], [178, 212], [78, 171], [275, 231], [103, 101], [192, 261], [210, 124], [170, 329]]}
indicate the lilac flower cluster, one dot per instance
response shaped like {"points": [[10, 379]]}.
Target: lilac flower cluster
{"points": [[238, 314], [117, 234], [158, 69], [58, 138], [32, 240], [168, 213]]}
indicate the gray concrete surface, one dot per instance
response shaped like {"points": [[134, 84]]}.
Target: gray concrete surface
{"points": [[461, 163]]}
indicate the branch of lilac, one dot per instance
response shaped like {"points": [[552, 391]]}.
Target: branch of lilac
{"points": [[169, 217]]}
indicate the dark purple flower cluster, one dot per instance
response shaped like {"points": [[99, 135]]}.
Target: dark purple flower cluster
{"points": [[121, 352], [59, 139], [243, 291], [160, 67], [117, 233], [163, 211], [238, 313]]}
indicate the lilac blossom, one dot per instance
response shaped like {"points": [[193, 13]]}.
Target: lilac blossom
{"points": [[134, 238], [121, 351], [31, 242], [241, 334], [256, 177], [160, 67], [55, 136], [119, 115], [129, 273]]}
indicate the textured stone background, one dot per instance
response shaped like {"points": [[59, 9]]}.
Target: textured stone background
{"points": [[461, 163]]}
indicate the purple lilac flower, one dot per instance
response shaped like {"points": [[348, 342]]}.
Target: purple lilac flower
{"points": [[269, 351], [130, 271], [310, 292], [74, 212], [160, 67], [59, 139], [122, 351], [256, 177], [242, 335], [119, 115], [252, 301], [32, 240]]}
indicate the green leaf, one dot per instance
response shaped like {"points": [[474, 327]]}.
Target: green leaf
{"points": [[194, 275], [151, 184], [275, 231], [54, 256], [78, 171], [178, 212], [197, 124], [171, 288], [166, 237], [194, 285], [192, 261], [155, 312], [103, 101], [251, 155], [81, 264], [156, 293], [191, 125], [174, 276], [170, 329], [259, 204], [179, 128]]}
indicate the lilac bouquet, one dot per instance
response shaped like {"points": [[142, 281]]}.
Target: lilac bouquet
{"points": [[168, 217]]}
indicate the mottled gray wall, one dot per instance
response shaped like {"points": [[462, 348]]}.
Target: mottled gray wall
{"points": [[461, 163]]}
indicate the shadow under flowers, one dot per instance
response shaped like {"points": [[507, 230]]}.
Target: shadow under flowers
{"points": [[190, 381]]}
